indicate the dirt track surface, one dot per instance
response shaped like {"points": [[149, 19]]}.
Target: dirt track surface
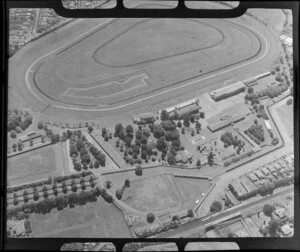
{"points": [[70, 73]]}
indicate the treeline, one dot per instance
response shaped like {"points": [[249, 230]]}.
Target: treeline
{"points": [[49, 181], [60, 202], [238, 158]]}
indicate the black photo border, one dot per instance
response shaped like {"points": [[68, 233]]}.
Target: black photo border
{"points": [[120, 11]]}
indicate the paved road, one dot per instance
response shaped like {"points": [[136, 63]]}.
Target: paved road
{"points": [[224, 179], [192, 227]]}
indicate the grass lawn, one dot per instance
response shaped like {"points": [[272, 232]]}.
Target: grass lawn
{"points": [[35, 165], [98, 219], [287, 115], [191, 189], [152, 194]]}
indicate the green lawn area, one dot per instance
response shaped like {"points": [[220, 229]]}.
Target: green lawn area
{"points": [[35, 165], [152, 194], [98, 219], [191, 189], [287, 115]]}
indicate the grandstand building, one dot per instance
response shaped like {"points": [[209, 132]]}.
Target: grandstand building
{"points": [[228, 91], [144, 118]]}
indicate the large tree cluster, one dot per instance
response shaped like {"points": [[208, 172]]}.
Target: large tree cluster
{"points": [[18, 120]]}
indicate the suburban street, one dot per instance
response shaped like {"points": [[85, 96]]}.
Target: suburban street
{"points": [[199, 224]]}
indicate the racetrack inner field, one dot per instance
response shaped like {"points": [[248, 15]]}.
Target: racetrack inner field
{"points": [[65, 71], [63, 80]]}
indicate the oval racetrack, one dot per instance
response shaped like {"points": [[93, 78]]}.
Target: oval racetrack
{"points": [[113, 66]]}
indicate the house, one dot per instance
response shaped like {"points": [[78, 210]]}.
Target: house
{"points": [[183, 156], [276, 165], [248, 184], [280, 213], [240, 190], [287, 230], [228, 91], [265, 171], [270, 168], [259, 174], [289, 159], [144, 118], [252, 177], [282, 162]]}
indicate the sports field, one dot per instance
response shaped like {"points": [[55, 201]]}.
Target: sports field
{"points": [[35, 165], [286, 113], [109, 67], [152, 194]]}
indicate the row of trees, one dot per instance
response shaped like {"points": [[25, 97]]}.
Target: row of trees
{"points": [[49, 181], [45, 193], [60, 202], [238, 158]]}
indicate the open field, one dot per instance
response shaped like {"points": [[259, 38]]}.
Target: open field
{"points": [[94, 220], [59, 83], [152, 194], [191, 189], [35, 165], [286, 113]]}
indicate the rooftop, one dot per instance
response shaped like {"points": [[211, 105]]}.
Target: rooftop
{"points": [[183, 156], [228, 89]]}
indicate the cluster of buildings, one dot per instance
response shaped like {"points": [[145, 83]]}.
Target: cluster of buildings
{"points": [[81, 4], [269, 173], [21, 23], [48, 19], [238, 87]]}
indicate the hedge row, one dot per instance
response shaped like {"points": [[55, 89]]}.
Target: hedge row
{"points": [[238, 158]]}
